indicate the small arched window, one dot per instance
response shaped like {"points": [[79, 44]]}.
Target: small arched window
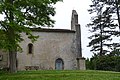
{"points": [[30, 48], [1, 57]]}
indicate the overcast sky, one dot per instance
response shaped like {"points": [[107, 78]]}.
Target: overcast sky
{"points": [[63, 19]]}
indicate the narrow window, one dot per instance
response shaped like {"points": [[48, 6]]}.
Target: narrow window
{"points": [[30, 48], [1, 57]]}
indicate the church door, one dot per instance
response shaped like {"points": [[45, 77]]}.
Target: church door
{"points": [[59, 65]]}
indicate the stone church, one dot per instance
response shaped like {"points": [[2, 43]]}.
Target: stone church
{"points": [[58, 49]]}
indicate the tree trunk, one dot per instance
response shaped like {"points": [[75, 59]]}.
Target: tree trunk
{"points": [[13, 49], [101, 39], [12, 61], [118, 15]]}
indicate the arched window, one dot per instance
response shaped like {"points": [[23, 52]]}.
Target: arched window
{"points": [[30, 48], [59, 64], [1, 57]]}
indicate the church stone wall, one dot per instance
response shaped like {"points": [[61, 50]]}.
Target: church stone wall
{"points": [[49, 47], [3, 59]]}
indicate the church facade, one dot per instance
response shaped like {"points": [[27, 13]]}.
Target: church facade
{"points": [[58, 49]]}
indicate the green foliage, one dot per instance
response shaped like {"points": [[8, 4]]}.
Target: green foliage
{"points": [[105, 63], [19, 15], [61, 75], [109, 62]]}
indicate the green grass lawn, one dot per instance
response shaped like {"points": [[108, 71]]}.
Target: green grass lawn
{"points": [[61, 75]]}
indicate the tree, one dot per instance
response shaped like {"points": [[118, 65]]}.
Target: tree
{"points": [[19, 15], [109, 62], [114, 8], [105, 27], [102, 27]]}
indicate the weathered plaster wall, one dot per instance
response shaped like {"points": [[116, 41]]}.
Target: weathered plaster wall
{"points": [[3, 59], [49, 47]]}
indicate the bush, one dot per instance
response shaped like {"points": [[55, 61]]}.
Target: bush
{"points": [[106, 62]]}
